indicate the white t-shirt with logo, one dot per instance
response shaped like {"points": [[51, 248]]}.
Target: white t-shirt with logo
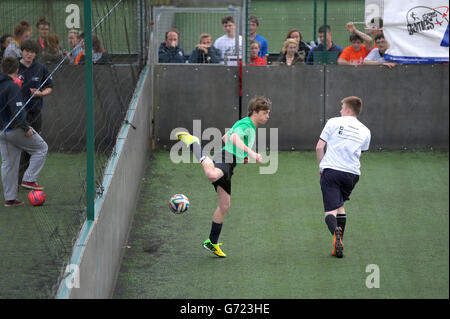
{"points": [[228, 46], [346, 137]]}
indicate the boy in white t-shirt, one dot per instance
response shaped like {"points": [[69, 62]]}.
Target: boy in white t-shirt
{"points": [[344, 137], [227, 42], [376, 56]]}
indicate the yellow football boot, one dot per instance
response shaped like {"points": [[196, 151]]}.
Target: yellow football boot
{"points": [[214, 248], [187, 138]]}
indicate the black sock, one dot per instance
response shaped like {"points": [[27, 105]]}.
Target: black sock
{"points": [[331, 223], [215, 232], [341, 219], [198, 151]]}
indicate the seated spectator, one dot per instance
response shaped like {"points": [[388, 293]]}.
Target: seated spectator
{"points": [[376, 25], [22, 32], [289, 55], [315, 55], [169, 52], [227, 43], [303, 48], [255, 59], [53, 52], [376, 56], [253, 27], [74, 40], [355, 53], [99, 55], [205, 52], [4, 42]]}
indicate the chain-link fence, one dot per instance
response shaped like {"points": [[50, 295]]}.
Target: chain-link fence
{"points": [[275, 18], [120, 32], [191, 24]]}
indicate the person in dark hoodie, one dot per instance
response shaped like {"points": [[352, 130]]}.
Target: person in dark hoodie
{"points": [[169, 51], [36, 84], [16, 135]]}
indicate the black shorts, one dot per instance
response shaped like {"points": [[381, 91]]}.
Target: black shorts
{"points": [[226, 162], [336, 187]]}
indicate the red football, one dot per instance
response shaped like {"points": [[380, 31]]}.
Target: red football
{"points": [[37, 198]]}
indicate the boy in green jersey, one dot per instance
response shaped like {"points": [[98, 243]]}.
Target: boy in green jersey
{"points": [[238, 141]]}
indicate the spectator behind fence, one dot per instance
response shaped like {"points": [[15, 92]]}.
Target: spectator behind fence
{"points": [[16, 136], [315, 55], [255, 59], [253, 27], [303, 48], [205, 52], [99, 55], [4, 42], [169, 51], [376, 56], [74, 41], [369, 43], [22, 32], [289, 55], [227, 43], [355, 53], [53, 52], [43, 29]]}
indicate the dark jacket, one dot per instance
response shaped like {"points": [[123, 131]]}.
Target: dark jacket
{"points": [[198, 56], [10, 103], [170, 54], [297, 58], [33, 77]]}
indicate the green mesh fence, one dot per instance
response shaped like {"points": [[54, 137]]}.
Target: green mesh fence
{"points": [[65, 15], [276, 18]]}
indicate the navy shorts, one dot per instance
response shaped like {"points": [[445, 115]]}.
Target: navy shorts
{"points": [[336, 187], [226, 162]]}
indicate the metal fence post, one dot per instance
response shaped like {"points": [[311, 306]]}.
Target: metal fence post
{"points": [[324, 60], [90, 161]]}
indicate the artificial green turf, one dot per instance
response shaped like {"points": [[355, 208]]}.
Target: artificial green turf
{"points": [[277, 243], [36, 241]]}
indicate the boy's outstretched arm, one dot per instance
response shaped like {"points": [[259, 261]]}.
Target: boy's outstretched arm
{"points": [[236, 140]]}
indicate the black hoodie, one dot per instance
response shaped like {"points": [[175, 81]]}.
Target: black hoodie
{"points": [[10, 103]]}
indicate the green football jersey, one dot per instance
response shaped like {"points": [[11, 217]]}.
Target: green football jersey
{"points": [[247, 132]]}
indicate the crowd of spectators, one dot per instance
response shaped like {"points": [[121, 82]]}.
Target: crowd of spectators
{"points": [[49, 44], [363, 49]]}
